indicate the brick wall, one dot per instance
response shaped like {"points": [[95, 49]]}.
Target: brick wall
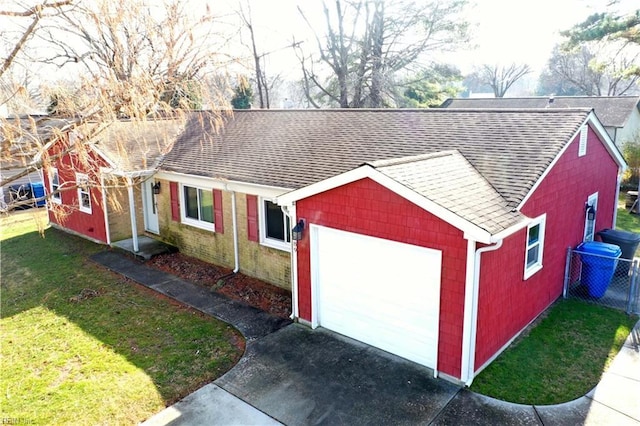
{"points": [[256, 260], [119, 215], [507, 303], [367, 208]]}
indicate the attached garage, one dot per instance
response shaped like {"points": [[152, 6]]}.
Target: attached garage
{"points": [[381, 292]]}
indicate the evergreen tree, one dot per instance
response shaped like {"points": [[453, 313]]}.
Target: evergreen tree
{"points": [[243, 95]]}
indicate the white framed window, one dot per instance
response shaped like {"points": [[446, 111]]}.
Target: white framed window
{"points": [[197, 207], [534, 246], [590, 217], [275, 226], [54, 185], [582, 148], [84, 193]]}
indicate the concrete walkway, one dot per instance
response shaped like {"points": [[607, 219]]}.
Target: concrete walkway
{"points": [[296, 376]]}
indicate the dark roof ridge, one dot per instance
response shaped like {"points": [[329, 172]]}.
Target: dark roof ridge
{"points": [[412, 110], [548, 96], [410, 159]]}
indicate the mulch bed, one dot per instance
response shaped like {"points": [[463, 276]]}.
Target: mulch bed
{"points": [[257, 293]]}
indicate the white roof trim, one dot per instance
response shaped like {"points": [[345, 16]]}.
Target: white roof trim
{"points": [[223, 184], [101, 153], [609, 144], [469, 229]]}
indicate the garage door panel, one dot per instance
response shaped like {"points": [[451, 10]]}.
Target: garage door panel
{"points": [[381, 292]]}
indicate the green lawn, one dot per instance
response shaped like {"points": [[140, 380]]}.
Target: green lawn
{"points": [[626, 221], [561, 359], [563, 356], [82, 345]]}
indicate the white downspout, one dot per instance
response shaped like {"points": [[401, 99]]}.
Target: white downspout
{"points": [[234, 225], [472, 288], [103, 190], [615, 201], [132, 212], [291, 212]]}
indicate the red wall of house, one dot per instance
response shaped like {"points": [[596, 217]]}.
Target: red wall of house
{"points": [[366, 207], [507, 303], [92, 225]]}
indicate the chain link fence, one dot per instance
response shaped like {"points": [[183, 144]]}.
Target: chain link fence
{"points": [[603, 280]]}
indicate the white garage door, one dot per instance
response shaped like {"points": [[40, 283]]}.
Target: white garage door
{"points": [[381, 292]]}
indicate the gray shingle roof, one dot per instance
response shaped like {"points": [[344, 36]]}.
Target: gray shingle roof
{"points": [[295, 148], [22, 136], [612, 111], [449, 180], [135, 146]]}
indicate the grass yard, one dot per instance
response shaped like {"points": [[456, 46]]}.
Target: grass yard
{"points": [[626, 221], [561, 359], [81, 345]]}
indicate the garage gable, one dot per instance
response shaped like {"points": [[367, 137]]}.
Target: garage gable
{"points": [[367, 208], [444, 184]]}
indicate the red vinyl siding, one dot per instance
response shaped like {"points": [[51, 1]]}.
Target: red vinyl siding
{"points": [[91, 224], [370, 209], [217, 210], [175, 201], [252, 218], [507, 303]]}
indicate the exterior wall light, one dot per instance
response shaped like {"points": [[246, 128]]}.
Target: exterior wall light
{"points": [[296, 232], [591, 213], [156, 188]]}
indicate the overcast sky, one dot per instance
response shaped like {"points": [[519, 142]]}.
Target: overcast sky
{"points": [[521, 31]]}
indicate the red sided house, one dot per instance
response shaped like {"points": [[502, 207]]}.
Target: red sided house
{"points": [[104, 195], [447, 235], [437, 235]]}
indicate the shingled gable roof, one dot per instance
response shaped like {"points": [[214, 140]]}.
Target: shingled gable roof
{"points": [[137, 146], [292, 149], [449, 180], [612, 111]]}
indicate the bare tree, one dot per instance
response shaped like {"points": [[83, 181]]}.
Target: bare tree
{"points": [[132, 62], [365, 43], [591, 69], [35, 14], [260, 77], [500, 78], [121, 41]]}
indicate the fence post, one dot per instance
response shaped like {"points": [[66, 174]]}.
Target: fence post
{"points": [[631, 300], [567, 271]]}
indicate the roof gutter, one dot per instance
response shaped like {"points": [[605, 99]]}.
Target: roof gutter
{"points": [[132, 175], [226, 184], [510, 230]]}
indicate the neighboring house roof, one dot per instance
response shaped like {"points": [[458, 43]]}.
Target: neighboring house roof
{"points": [[612, 111], [292, 149], [21, 139], [22, 136], [135, 146], [449, 180]]}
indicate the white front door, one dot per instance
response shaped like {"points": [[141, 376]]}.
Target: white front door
{"points": [[150, 207], [383, 293]]}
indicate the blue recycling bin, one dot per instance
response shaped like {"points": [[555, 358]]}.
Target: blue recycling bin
{"points": [[37, 191], [599, 261]]}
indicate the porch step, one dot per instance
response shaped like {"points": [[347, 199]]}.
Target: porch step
{"points": [[147, 247]]}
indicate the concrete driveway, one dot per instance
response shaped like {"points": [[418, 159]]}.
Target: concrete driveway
{"points": [[298, 376], [304, 377]]}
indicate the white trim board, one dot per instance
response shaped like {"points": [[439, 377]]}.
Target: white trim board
{"points": [[223, 184], [604, 137], [469, 229]]}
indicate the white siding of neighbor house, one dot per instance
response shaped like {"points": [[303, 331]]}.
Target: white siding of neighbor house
{"points": [[35, 177], [631, 130]]}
